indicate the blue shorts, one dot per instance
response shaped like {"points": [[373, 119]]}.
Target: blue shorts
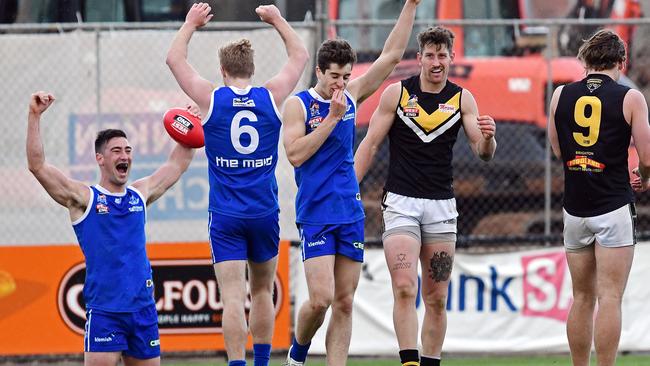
{"points": [[134, 334], [344, 239], [233, 238]]}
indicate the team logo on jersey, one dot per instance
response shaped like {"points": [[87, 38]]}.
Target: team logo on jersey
{"points": [[134, 200], [243, 102], [593, 84], [118, 200], [101, 208], [102, 199], [585, 164], [314, 108], [411, 109]]}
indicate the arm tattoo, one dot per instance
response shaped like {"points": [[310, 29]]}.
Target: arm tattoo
{"points": [[440, 266]]}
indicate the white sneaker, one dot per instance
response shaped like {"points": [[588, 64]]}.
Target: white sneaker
{"points": [[291, 361]]}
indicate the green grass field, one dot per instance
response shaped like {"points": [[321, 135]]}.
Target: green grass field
{"points": [[627, 360], [537, 360]]}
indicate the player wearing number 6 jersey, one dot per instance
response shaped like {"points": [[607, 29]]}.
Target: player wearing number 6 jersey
{"points": [[590, 127], [242, 126]]}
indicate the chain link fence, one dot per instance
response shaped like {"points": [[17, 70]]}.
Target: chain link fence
{"points": [[114, 75], [511, 67]]}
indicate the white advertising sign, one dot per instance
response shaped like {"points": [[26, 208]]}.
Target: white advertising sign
{"points": [[506, 302]]}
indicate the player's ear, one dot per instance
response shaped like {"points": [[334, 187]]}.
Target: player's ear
{"points": [[99, 158]]}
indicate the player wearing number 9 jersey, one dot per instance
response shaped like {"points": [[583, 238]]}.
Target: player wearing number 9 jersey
{"points": [[590, 127], [242, 127]]}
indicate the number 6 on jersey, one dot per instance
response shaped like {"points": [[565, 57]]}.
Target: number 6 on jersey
{"points": [[236, 130]]}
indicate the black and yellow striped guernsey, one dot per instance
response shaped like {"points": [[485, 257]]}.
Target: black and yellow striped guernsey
{"points": [[594, 138], [421, 141]]}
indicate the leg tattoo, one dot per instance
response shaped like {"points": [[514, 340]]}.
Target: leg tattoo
{"points": [[440, 266]]}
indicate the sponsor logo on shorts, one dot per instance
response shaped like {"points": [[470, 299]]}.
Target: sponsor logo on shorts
{"points": [[358, 245], [358, 196], [103, 339], [149, 282], [155, 343], [316, 243], [450, 222]]}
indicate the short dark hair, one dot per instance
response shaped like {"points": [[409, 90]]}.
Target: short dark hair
{"points": [[436, 36], [602, 51], [335, 51], [104, 136], [237, 58]]}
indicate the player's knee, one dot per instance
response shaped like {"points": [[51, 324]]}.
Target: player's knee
{"points": [[405, 290], [344, 304], [584, 297], [435, 302], [321, 302], [262, 290], [610, 296]]}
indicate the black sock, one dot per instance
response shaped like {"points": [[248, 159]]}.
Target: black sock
{"points": [[429, 361], [409, 357]]}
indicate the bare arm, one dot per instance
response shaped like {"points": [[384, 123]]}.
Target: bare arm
{"points": [[480, 130], [284, 81], [67, 192], [366, 84], [155, 185], [196, 87], [380, 123], [552, 131], [635, 110], [299, 145]]}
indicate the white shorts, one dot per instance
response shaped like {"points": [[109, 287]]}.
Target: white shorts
{"points": [[426, 220], [613, 229]]}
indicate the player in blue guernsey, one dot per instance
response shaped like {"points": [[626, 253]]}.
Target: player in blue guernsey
{"points": [[109, 221], [242, 127], [319, 141]]}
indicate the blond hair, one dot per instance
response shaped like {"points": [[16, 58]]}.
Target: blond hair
{"points": [[236, 59]]}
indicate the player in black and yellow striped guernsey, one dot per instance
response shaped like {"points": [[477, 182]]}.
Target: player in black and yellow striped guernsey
{"points": [[421, 116]]}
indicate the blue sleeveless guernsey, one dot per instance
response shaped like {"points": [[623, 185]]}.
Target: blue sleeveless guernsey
{"points": [[111, 234], [241, 131], [328, 192]]}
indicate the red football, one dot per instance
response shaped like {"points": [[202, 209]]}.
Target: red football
{"points": [[184, 127]]}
